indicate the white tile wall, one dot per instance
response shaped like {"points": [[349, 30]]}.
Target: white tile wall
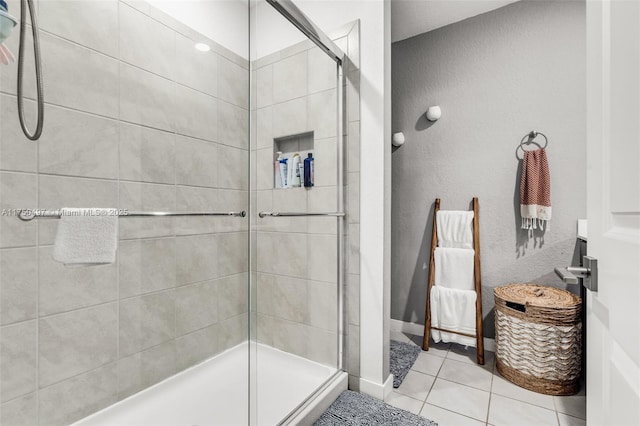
{"points": [[18, 367], [63, 289], [146, 154], [290, 78], [136, 118], [90, 340], [79, 78], [19, 285]]}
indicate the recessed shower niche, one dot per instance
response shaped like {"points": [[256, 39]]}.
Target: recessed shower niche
{"points": [[294, 161]]}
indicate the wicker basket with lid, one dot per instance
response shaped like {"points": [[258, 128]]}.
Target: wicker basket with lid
{"points": [[538, 337]]}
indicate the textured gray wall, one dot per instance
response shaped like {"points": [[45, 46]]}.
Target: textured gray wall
{"points": [[496, 76]]}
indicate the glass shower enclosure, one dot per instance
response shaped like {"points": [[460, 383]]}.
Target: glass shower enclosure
{"points": [[297, 207], [213, 131]]}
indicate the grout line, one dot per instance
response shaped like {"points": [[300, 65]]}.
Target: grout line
{"points": [[295, 277], [119, 60], [118, 357], [153, 238], [24, 395], [555, 406], [455, 412], [19, 247], [525, 402], [37, 348], [184, 30], [113, 362], [430, 388], [490, 396], [296, 322], [121, 120], [306, 96], [174, 227], [145, 182], [155, 292], [37, 259], [82, 308], [569, 415]]}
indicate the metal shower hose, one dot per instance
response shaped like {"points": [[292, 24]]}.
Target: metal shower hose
{"points": [[36, 51]]}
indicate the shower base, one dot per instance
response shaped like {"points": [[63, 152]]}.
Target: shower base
{"points": [[216, 392]]}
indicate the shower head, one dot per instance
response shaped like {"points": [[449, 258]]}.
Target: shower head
{"points": [[7, 22]]}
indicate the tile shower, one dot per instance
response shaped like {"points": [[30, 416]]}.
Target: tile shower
{"points": [[177, 294], [141, 120]]}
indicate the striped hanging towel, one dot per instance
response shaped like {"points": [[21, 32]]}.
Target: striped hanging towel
{"points": [[535, 190]]}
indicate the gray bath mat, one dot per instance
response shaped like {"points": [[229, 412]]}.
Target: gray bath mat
{"points": [[356, 409], [403, 355]]}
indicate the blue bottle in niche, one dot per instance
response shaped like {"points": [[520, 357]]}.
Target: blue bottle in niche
{"points": [[308, 171]]}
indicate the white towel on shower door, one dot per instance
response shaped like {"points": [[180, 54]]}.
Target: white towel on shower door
{"points": [[455, 229], [86, 237], [454, 268], [454, 310]]}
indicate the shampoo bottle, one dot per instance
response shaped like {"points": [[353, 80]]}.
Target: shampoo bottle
{"points": [[284, 172], [296, 179], [301, 172], [276, 169], [308, 171]]}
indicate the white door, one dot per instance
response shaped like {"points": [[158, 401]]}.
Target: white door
{"points": [[613, 210]]}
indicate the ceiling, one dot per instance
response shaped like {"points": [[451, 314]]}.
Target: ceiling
{"points": [[412, 17]]}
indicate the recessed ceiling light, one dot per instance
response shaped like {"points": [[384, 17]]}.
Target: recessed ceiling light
{"points": [[203, 47]]}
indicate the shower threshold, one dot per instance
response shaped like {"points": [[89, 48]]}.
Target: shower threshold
{"points": [[216, 391]]}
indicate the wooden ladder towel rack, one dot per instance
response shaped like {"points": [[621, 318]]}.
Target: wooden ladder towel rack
{"points": [[477, 282]]}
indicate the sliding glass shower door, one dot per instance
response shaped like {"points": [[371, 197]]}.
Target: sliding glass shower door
{"points": [[297, 215]]}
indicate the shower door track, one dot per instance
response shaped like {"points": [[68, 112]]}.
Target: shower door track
{"points": [[294, 15], [304, 404]]}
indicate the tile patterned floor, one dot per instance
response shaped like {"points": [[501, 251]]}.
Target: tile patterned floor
{"points": [[446, 385]]}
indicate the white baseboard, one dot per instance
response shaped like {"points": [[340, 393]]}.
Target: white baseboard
{"points": [[418, 330], [388, 387], [407, 327], [377, 390]]}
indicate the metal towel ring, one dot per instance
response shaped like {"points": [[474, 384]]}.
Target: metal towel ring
{"points": [[528, 139]]}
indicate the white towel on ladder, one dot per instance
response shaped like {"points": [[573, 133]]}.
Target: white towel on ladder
{"points": [[454, 268], [455, 310], [455, 229]]}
